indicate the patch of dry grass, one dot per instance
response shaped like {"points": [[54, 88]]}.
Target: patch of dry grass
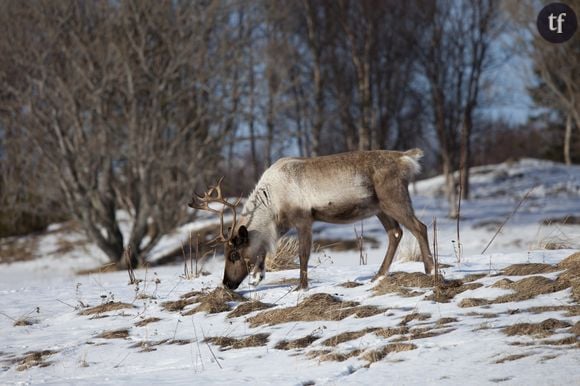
{"points": [[227, 343], [473, 302], [296, 343], [447, 320], [216, 301], [106, 307], [319, 306], [146, 321], [114, 334], [571, 310], [528, 269], [542, 329], [347, 336], [392, 331], [376, 355], [177, 305], [350, 284], [511, 358], [414, 316], [443, 293], [33, 359], [248, 307], [285, 255], [402, 283]]}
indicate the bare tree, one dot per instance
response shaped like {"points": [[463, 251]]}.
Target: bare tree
{"points": [[124, 104]]}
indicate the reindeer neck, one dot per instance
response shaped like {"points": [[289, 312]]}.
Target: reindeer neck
{"points": [[259, 215]]}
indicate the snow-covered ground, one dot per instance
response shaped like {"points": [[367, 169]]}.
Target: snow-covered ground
{"points": [[472, 348]]}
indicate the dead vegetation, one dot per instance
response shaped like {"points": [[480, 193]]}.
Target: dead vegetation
{"points": [[148, 346], [146, 321], [212, 302], [16, 249], [285, 255], [510, 358], [319, 306], [106, 307], [248, 307], [571, 310], [350, 284], [341, 245], [114, 334], [529, 269], [541, 330], [328, 355], [414, 316], [296, 343], [33, 359], [447, 290], [227, 343], [377, 355], [402, 283], [347, 336]]}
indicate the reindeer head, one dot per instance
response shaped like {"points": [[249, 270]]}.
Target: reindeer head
{"points": [[239, 261]]}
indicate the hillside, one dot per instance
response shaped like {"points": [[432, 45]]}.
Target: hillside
{"points": [[510, 315]]}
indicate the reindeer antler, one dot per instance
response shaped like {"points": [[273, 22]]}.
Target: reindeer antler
{"points": [[214, 194]]}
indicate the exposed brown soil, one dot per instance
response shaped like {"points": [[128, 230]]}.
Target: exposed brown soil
{"points": [[227, 343], [114, 334], [296, 343], [106, 307], [542, 329], [528, 269], [377, 355], [319, 306], [33, 359], [146, 321]]}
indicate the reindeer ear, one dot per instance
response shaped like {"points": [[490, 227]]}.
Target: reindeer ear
{"points": [[243, 236]]}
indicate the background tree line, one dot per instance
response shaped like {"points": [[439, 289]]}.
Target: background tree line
{"points": [[112, 109]]}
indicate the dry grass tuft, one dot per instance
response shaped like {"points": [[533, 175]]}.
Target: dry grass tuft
{"points": [[285, 255], [575, 329], [571, 261], [33, 359], [542, 329], [216, 301], [571, 310], [377, 355], [296, 343], [473, 277], [473, 302], [510, 358], [227, 343], [392, 331], [528, 269], [402, 282], [106, 307], [347, 336], [177, 305], [145, 322], [109, 267], [414, 316], [114, 334], [444, 321], [350, 284], [444, 293], [319, 306], [339, 356], [246, 308], [23, 322], [563, 342], [530, 287]]}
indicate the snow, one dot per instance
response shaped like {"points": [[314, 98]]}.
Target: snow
{"points": [[47, 292]]}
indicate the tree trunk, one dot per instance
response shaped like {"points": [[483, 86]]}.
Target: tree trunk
{"points": [[567, 139], [465, 159]]}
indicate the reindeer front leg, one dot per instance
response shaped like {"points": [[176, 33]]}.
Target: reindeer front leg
{"points": [[305, 244]]}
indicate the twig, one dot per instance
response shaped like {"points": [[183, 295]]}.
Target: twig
{"points": [[459, 248], [524, 198], [435, 250], [210, 350]]}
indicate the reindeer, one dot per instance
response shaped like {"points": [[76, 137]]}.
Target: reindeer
{"points": [[296, 192]]}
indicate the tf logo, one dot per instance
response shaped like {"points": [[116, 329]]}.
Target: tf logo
{"points": [[557, 23]]}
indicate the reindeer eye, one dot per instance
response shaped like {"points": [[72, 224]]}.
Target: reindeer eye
{"points": [[234, 256]]}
